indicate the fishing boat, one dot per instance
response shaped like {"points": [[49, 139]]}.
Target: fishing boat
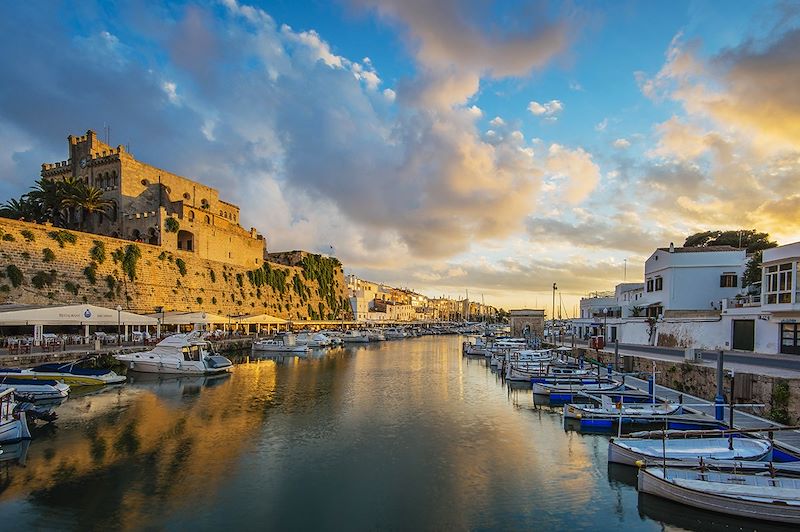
{"points": [[278, 346], [754, 496], [35, 389], [627, 412], [571, 386], [632, 450], [357, 337], [13, 423], [179, 354], [71, 373]]}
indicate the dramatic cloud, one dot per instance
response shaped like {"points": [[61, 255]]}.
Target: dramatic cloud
{"points": [[574, 172]]}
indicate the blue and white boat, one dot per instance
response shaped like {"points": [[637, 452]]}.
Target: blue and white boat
{"points": [[13, 423], [34, 389]]}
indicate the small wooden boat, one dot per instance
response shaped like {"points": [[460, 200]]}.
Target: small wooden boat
{"points": [[769, 498], [631, 450], [625, 411], [71, 373], [570, 387], [35, 389], [13, 423]]}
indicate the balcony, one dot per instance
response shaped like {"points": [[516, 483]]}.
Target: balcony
{"points": [[753, 300]]}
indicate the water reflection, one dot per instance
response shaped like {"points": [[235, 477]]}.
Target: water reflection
{"points": [[397, 435]]}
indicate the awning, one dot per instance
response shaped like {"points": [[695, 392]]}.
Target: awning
{"points": [[261, 319], [191, 318], [69, 315]]}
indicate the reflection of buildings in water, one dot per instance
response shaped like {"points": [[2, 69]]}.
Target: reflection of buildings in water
{"points": [[133, 454]]}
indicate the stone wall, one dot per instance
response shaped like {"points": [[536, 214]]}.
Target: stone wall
{"points": [[88, 268]]}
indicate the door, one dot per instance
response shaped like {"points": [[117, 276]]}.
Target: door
{"points": [[744, 335], [790, 338]]}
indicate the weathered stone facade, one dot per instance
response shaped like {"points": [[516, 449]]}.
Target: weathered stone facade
{"points": [[527, 322], [146, 197], [40, 264]]}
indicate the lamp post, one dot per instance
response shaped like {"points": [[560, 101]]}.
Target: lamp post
{"points": [[553, 317], [119, 325], [605, 322]]}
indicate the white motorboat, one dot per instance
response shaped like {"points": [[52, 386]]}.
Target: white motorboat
{"points": [[71, 373], [375, 335], [312, 340], [355, 337], [394, 333], [179, 354], [13, 424], [278, 346], [632, 450], [35, 389], [754, 496]]}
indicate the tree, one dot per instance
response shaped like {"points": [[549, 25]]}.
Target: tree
{"points": [[90, 200], [20, 209], [750, 239], [49, 197]]}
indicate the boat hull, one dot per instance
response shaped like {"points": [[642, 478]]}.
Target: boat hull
{"points": [[72, 380], [14, 429], [654, 484], [620, 454], [170, 368]]}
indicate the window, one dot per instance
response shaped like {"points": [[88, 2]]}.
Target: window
{"points": [[728, 280], [649, 285], [790, 338], [778, 286], [208, 219], [191, 216], [659, 284]]}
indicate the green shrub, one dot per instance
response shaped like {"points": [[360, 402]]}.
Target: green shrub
{"points": [[214, 300], [240, 279], [72, 288], [42, 279], [8, 237], [181, 264], [162, 255], [129, 260], [199, 300], [212, 275], [779, 403], [62, 237], [90, 272], [171, 225], [14, 275], [5, 288], [98, 252], [48, 255], [28, 235]]}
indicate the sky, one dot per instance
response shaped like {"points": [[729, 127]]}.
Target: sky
{"points": [[495, 147]]}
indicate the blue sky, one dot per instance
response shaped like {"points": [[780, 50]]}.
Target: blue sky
{"points": [[443, 146]]}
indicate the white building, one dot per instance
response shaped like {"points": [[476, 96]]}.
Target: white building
{"points": [[780, 296], [682, 281]]}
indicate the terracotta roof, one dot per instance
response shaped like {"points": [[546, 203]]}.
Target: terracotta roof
{"points": [[702, 249]]}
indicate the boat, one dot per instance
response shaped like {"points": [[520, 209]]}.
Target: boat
{"points": [[71, 373], [13, 423], [632, 450], [278, 346], [35, 389], [312, 340], [627, 412], [375, 335], [356, 337], [569, 386], [754, 496], [179, 354], [394, 333]]}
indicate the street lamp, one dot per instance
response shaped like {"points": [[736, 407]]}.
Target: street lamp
{"points": [[119, 325], [553, 317], [605, 322]]}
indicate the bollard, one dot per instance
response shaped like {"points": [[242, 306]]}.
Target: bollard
{"points": [[650, 385], [609, 369], [719, 400], [580, 361]]}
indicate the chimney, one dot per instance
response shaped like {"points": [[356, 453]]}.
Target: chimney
{"points": [[671, 247]]}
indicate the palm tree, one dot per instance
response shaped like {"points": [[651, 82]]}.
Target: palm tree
{"points": [[70, 188], [20, 209], [48, 195], [90, 200]]}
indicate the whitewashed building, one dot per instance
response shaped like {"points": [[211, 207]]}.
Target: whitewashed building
{"points": [[780, 297], [686, 281]]}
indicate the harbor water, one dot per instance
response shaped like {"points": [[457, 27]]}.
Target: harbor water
{"points": [[398, 435]]}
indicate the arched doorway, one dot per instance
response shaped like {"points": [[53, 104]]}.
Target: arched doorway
{"points": [[186, 241]]}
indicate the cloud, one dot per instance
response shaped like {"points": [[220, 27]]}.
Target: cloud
{"points": [[574, 170], [601, 126], [548, 109], [622, 144]]}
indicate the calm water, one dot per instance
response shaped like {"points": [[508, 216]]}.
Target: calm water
{"points": [[403, 435]]}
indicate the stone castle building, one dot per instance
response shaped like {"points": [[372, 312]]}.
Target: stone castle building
{"points": [[158, 207]]}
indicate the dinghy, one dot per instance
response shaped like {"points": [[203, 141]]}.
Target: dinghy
{"points": [[35, 389], [13, 423], [630, 450], [769, 498], [569, 387], [71, 373], [626, 411]]}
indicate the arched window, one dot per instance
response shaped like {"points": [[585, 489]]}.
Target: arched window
{"points": [[191, 216], [114, 179], [208, 219]]}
